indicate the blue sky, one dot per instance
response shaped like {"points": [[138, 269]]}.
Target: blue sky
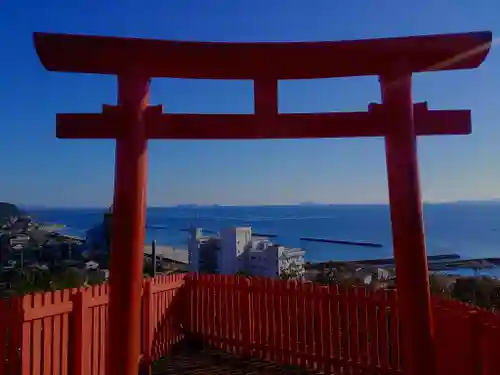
{"points": [[39, 169]]}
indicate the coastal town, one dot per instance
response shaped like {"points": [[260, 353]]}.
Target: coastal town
{"points": [[37, 257]]}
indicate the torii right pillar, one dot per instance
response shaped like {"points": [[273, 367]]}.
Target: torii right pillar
{"points": [[407, 222]]}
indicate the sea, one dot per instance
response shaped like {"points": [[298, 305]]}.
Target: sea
{"points": [[471, 230]]}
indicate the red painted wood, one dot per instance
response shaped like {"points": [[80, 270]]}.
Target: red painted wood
{"points": [[21, 339], [363, 327], [47, 336], [246, 313], [277, 319], [327, 328], [80, 334], [353, 300], [36, 339], [129, 213], [148, 324], [281, 60], [65, 327], [395, 361], [311, 322], [56, 336], [102, 332], [319, 317], [95, 340], [294, 327], [466, 337], [238, 126], [383, 332], [287, 336], [344, 351], [266, 98], [373, 334], [397, 119], [407, 225], [302, 323], [219, 317]]}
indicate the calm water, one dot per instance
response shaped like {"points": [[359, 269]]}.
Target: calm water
{"points": [[471, 230]]}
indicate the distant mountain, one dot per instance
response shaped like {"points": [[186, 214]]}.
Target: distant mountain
{"points": [[476, 202], [312, 204]]}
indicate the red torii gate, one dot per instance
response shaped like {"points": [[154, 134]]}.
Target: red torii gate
{"points": [[132, 123]]}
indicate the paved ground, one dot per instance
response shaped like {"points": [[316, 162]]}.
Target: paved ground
{"points": [[220, 363]]}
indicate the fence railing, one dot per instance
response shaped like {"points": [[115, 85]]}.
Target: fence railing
{"points": [[328, 328], [65, 332]]}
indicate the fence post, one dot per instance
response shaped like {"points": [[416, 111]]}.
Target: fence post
{"points": [[15, 324], [246, 315], [80, 351], [147, 331], [476, 343]]}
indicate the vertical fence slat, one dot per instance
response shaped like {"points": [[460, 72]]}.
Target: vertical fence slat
{"points": [[344, 325], [294, 323], [94, 342], [218, 312], [213, 310], [65, 334], [56, 337], [286, 321], [311, 317], [394, 353], [277, 327], [373, 331], [302, 323], [47, 336], [36, 349], [80, 349], [147, 324], [363, 328], [353, 299], [225, 314], [318, 327], [266, 321], [246, 315], [102, 333], [5, 319], [22, 337], [257, 317], [332, 338], [383, 331], [169, 327]]}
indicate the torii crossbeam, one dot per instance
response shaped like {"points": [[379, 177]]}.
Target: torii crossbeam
{"points": [[132, 123]]}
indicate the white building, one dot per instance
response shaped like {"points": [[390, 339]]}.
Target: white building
{"points": [[236, 251]]}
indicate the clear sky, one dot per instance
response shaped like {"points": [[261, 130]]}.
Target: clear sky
{"points": [[38, 169]]}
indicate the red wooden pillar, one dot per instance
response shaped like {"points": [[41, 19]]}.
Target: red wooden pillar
{"points": [[407, 226], [129, 216]]}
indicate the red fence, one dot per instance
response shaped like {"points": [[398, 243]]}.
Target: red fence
{"points": [[321, 327], [333, 327], [64, 332]]}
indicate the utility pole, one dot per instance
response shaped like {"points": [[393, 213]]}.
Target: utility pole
{"points": [[153, 255]]}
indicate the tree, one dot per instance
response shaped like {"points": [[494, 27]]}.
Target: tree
{"points": [[292, 272]]}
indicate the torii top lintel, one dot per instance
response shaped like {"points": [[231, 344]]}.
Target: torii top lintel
{"points": [[277, 60]]}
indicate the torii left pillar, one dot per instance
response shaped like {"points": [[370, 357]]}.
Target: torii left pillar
{"points": [[129, 218]]}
